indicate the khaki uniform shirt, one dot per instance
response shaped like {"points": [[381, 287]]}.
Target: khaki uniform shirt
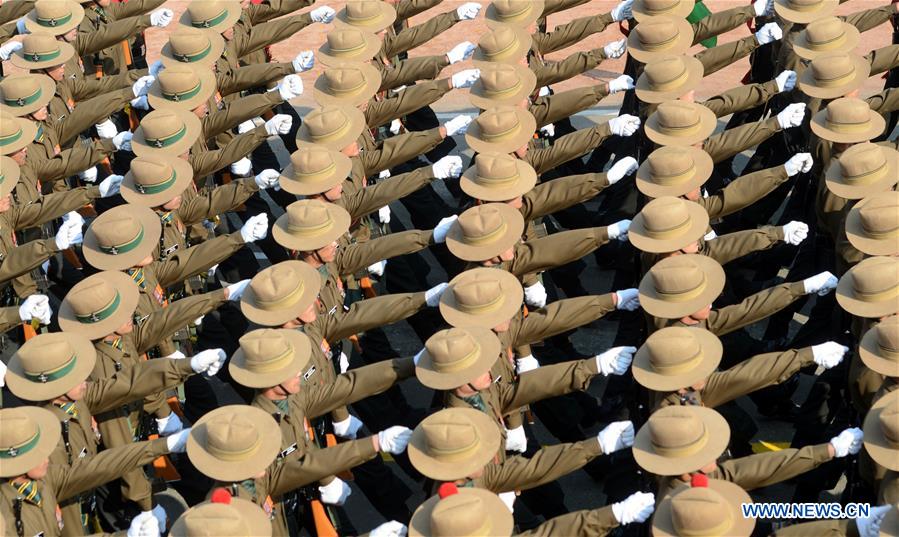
{"points": [[381, 110], [102, 41], [594, 522]]}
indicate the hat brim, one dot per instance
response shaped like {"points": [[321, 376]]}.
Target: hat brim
{"points": [[807, 81], [217, 47], [29, 390], [231, 18], [490, 439], [534, 13], [184, 175], [860, 239], [835, 182], [100, 260], [819, 127], [129, 294], [702, 170], [648, 377], [323, 95], [26, 138], [249, 303], [283, 236], [717, 438], [328, 58], [302, 354], [10, 172], [455, 240], [871, 355], [527, 126], [736, 497], [237, 470], [527, 178], [48, 88], [680, 45], [49, 428], [254, 516], [67, 52], [681, 10], [640, 237], [653, 304], [512, 56], [500, 518], [354, 128], [707, 123], [489, 348], [850, 39], [32, 25], [342, 169], [141, 148], [207, 90], [478, 96], [865, 308], [384, 20], [875, 441], [694, 73], [782, 8], [512, 294]]}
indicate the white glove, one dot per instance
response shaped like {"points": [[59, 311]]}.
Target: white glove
{"points": [[390, 529], [625, 125], [635, 508], [384, 174], [415, 359], [304, 61], [21, 29], [821, 283], [290, 87], [246, 126], [516, 440], [384, 215], [2, 374], [549, 130], [209, 361], [143, 525], [627, 299], [449, 166], [377, 269], [791, 116], [156, 68], [800, 162], [396, 126], [279, 124], [177, 355], [710, 236], [786, 81], [158, 513], [73, 216], [769, 33], [122, 141], [36, 307], [235, 290], [795, 232], [615, 361], [468, 11], [267, 178], [344, 362], [460, 52], [6, 51], [870, 525], [523, 364], [348, 427], [142, 85], [140, 103], [615, 49], [335, 493], [535, 295], [323, 14], [508, 498], [443, 227], [255, 228], [622, 11], [394, 439], [110, 186], [89, 175], [615, 436], [848, 442], [829, 354], [763, 7], [621, 169], [457, 125], [161, 17], [169, 425], [106, 129], [242, 167], [69, 234], [618, 230], [432, 295], [177, 442], [466, 78], [622, 83]]}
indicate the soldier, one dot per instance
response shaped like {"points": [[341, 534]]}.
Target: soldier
{"points": [[35, 308], [868, 228], [703, 503], [223, 515]]}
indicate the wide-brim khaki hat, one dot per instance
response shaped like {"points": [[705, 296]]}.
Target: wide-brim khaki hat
{"points": [[498, 177], [15, 133], [882, 443], [41, 88], [473, 439], [675, 37], [454, 357], [520, 13], [56, 17], [507, 231], [68, 358], [713, 435], [368, 15], [879, 347], [839, 36], [676, 357], [212, 16], [190, 46], [870, 289], [501, 129], [857, 72], [669, 77], [480, 510], [871, 225], [717, 505], [28, 435], [863, 170], [102, 254], [175, 175], [332, 126], [503, 44], [280, 293], [481, 297], [237, 518], [695, 280], [661, 129], [863, 126], [674, 171], [201, 87], [350, 84], [248, 368], [653, 229], [103, 322], [42, 51], [502, 84], [314, 170], [644, 9], [172, 144], [220, 462], [348, 45], [327, 223], [804, 11], [9, 175]]}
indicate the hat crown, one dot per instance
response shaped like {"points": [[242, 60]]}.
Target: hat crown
{"points": [[700, 511], [275, 283], [497, 167], [16, 430], [20, 87], [9, 126], [500, 79], [880, 216], [676, 353], [666, 214], [862, 160], [497, 123], [150, 171], [833, 68], [363, 10], [263, 348], [450, 437], [188, 42], [656, 33], [452, 349], [659, 6], [887, 333], [178, 79], [824, 31], [42, 356], [459, 515], [345, 40], [308, 217], [889, 422], [803, 5], [90, 297], [326, 121], [52, 9], [512, 8], [344, 79], [231, 437], [482, 223], [121, 228], [670, 164], [206, 10], [214, 520], [677, 114], [665, 71], [162, 124], [847, 111], [677, 277], [498, 41], [39, 44], [676, 432], [876, 276], [479, 292], [312, 160]]}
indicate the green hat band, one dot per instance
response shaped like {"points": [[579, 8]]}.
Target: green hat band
{"points": [[23, 101], [155, 188], [47, 376], [189, 58], [11, 138], [105, 313], [53, 23], [159, 143], [127, 247], [209, 23], [42, 56], [14, 451], [184, 95]]}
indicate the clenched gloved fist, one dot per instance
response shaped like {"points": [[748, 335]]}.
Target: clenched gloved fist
{"points": [[209, 361], [523, 364], [460, 52], [821, 283], [36, 307], [110, 186], [457, 125], [347, 428], [447, 167], [142, 86], [161, 17], [829, 354], [535, 295], [616, 436], [786, 81], [169, 425], [769, 33], [279, 124], [791, 116], [69, 234], [106, 129], [468, 11], [89, 175], [7, 50], [466, 78], [622, 11], [516, 440], [335, 493], [268, 178], [621, 169], [304, 61], [432, 295], [795, 232], [618, 230], [622, 83], [615, 361], [323, 14], [615, 49], [624, 125], [635, 508], [394, 439], [627, 299], [800, 162], [255, 228], [848, 442], [122, 141], [235, 290], [290, 87], [241, 167], [443, 227]]}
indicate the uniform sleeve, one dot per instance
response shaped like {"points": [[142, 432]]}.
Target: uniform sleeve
{"points": [[594, 522], [372, 198], [251, 76], [568, 147], [240, 146], [555, 6], [573, 65], [51, 206], [754, 374], [744, 191], [883, 59], [741, 98], [869, 18], [411, 70], [764, 469], [398, 149], [219, 200], [239, 111], [547, 381], [557, 249], [133, 383], [724, 145], [26, 257], [546, 465], [270, 33], [266, 11], [356, 384], [551, 108], [88, 113], [372, 312], [110, 34], [362, 254], [164, 322], [884, 102], [562, 315], [317, 464], [409, 8], [131, 8], [754, 308], [10, 11], [71, 161], [197, 259], [726, 248], [557, 194], [84, 88], [406, 101], [415, 36], [565, 35], [721, 22], [9, 319], [716, 58]]}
